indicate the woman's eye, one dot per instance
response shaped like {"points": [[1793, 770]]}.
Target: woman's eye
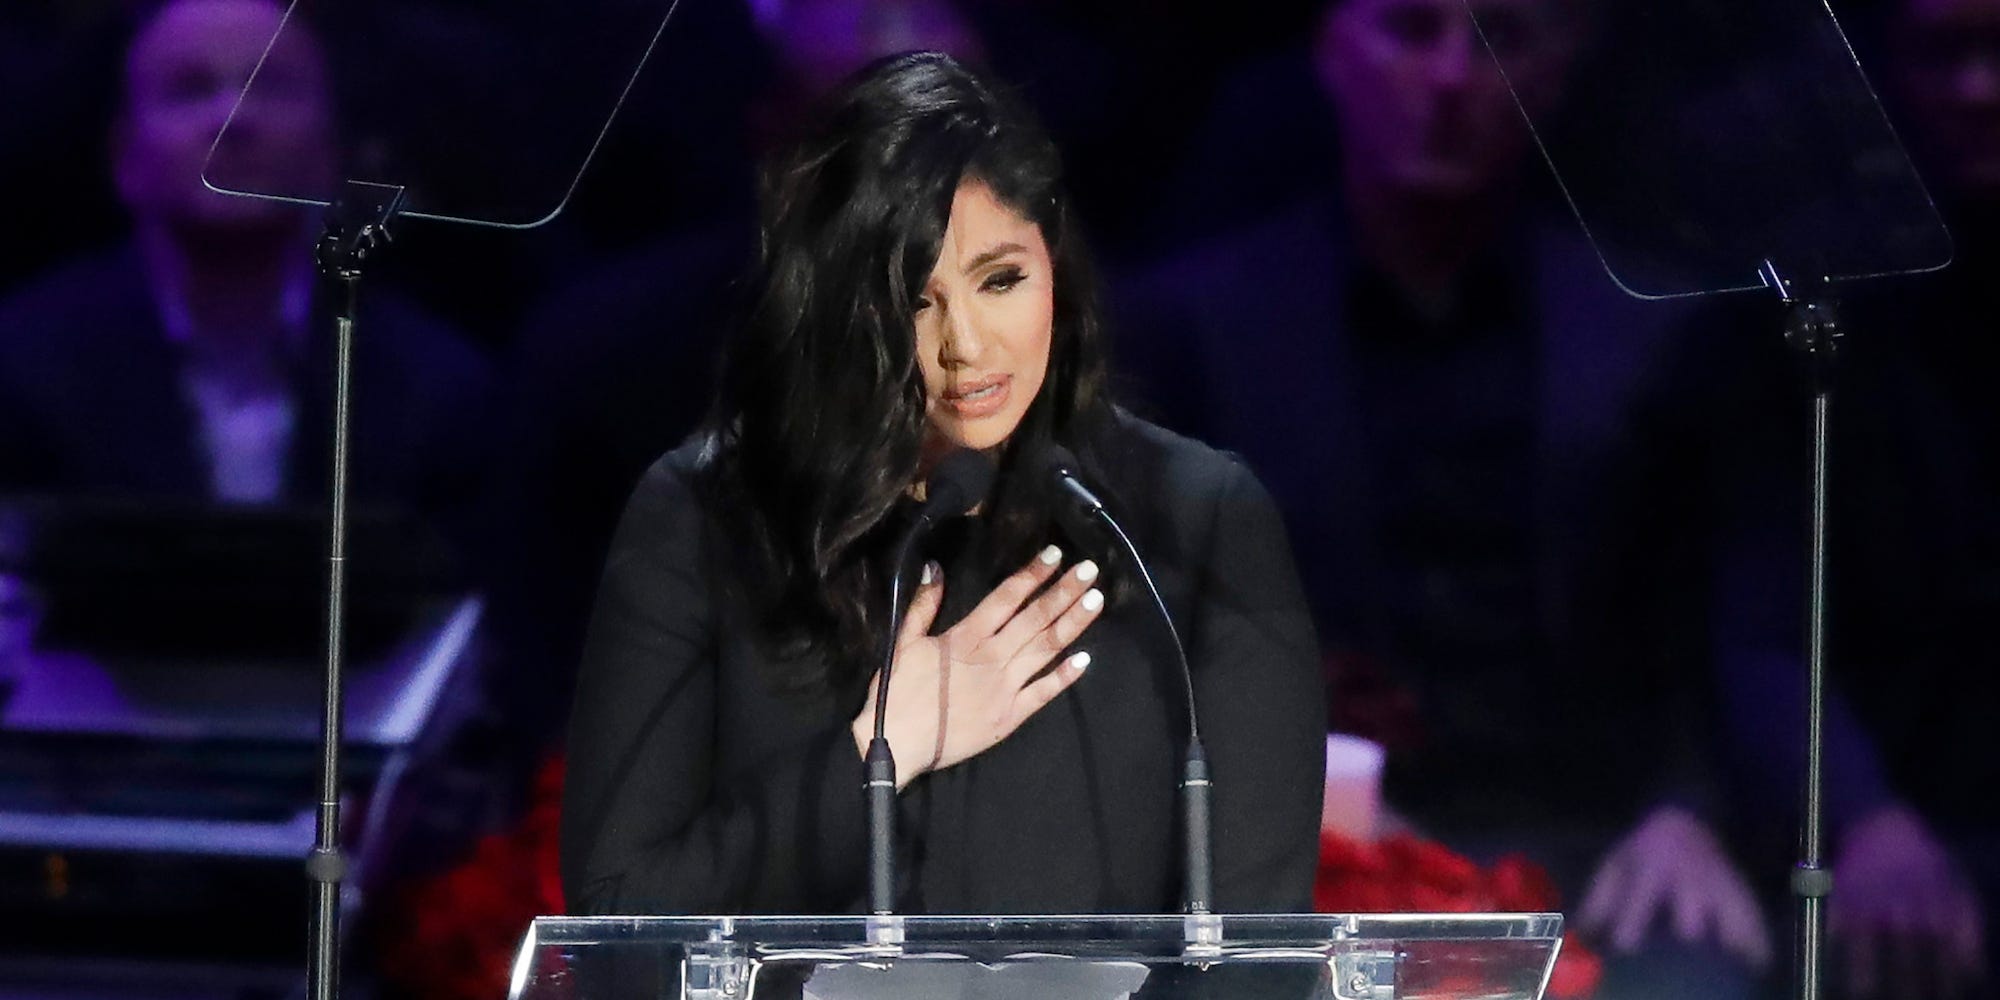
{"points": [[920, 305], [1000, 281]]}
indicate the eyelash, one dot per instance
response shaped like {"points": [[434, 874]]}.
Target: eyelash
{"points": [[998, 282]]}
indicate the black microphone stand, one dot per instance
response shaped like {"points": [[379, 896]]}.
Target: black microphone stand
{"points": [[953, 487], [880, 783], [1204, 929], [1203, 925], [357, 224], [1812, 329]]}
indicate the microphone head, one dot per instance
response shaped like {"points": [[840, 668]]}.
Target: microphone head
{"points": [[1058, 460], [958, 483], [1059, 464]]}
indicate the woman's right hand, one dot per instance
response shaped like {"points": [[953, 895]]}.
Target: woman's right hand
{"points": [[955, 695]]}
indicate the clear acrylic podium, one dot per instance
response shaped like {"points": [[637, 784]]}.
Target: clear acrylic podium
{"points": [[1297, 957]]}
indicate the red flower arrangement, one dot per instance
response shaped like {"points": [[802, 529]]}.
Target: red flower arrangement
{"points": [[1403, 874], [454, 935]]}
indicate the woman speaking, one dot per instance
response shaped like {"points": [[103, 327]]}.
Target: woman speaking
{"points": [[922, 290]]}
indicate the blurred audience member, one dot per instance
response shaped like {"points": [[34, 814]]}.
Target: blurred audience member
{"points": [[53, 61], [821, 41], [816, 43], [1915, 558], [192, 363], [1946, 75], [1434, 382], [1946, 78], [1265, 139], [1909, 918], [607, 374], [674, 161], [1079, 70], [40, 689], [20, 609]]}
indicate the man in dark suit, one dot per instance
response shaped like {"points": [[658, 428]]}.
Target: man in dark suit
{"points": [[1914, 544], [1435, 383], [189, 373], [192, 363]]}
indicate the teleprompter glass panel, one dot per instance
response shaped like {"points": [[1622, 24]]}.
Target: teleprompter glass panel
{"points": [[1702, 143]]}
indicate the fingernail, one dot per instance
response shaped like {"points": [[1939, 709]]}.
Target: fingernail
{"points": [[1079, 661], [930, 573], [1086, 571], [1093, 599], [1051, 555]]}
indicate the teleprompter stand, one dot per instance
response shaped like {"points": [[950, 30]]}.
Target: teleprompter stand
{"points": [[1812, 330], [356, 228], [1736, 146], [518, 177]]}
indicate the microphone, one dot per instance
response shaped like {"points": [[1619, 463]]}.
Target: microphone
{"points": [[1078, 505], [956, 485]]}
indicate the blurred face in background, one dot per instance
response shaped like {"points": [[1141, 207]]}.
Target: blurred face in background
{"points": [[1947, 71], [183, 75], [1423, 109], [985, 321], [821, 41]]}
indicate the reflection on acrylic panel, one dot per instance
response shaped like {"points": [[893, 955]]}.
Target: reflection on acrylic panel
{"points": [[390, 76], [1716, 135]]}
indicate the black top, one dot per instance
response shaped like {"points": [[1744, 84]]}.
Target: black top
{"points": [[697, 785]]}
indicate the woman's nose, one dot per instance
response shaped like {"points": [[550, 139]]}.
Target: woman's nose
{"points": [[964, 343]]}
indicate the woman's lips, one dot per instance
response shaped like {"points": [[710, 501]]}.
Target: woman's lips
{"points": [[981, 398]]}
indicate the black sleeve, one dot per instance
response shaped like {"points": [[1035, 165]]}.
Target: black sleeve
{"points": [[648, 826], [1262, 705]]}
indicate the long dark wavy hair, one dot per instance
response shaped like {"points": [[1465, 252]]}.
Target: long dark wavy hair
{"points": [[819, 417]]}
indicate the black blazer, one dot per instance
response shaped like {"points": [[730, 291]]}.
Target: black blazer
{"points": [[91, 402], [1247, 343], [1244, 343], [695, 787]]}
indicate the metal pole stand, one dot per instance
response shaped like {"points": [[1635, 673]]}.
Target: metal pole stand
{"points": [[1812, 328], [356, 226]]}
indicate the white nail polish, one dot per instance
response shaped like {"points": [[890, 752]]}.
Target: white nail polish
{"points": [[1093, 599], [1086, 571], [1079, 661], [1051, 555], [929, 575]]}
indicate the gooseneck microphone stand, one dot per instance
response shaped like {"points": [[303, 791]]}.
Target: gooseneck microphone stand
{"points": [[880, 782], [1813, 331], [357, 225], [1197, 855], [955, 486], [1204, 929]]}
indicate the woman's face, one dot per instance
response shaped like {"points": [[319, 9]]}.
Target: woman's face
{"points": [[984, 320]]}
